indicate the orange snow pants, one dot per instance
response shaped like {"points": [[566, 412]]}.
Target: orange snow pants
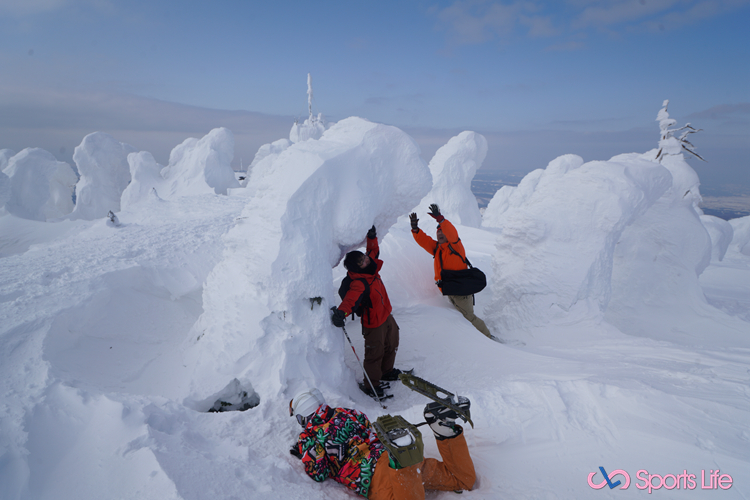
{"points": [[456, 472]]}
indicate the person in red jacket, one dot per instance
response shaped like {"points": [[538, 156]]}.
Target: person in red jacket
{"points": [[379, 328], [445, 258], [340, 444]]}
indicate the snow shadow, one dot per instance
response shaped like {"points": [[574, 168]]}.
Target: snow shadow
{"points": [[236, 396]]}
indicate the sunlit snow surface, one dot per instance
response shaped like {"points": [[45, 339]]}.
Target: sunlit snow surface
{"points": [[114, 339]]}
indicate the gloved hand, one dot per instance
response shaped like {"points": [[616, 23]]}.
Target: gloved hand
{"points": [[435, 213], [414, 221], [338, 317], [372, 233]]}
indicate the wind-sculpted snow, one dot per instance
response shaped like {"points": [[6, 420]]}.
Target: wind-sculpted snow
{"points": [[453, 167], [197, 166], [667, 248], [200, 166], [103, 166], [721, 234], [115, 341], [555, 252], [267, 304], [5, 156], [41, 188], [741, 235], [146, 179], [4, 191]]}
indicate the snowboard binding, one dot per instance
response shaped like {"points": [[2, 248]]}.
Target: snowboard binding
{"points": [[402, 439]]}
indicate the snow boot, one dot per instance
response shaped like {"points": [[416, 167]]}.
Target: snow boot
{"points": [[393, 374], [379, 393], [442, 419]]}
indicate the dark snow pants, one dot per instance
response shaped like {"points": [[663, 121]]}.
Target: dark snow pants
{"points": [[381, 345]]}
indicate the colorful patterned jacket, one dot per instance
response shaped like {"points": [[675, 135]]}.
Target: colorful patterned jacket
{"points": [[340, 444]]}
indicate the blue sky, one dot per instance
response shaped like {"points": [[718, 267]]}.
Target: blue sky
{"points": [[538, 79]]}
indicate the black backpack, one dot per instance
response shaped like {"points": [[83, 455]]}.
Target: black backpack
{"points": [[464, 282], [363, 302]]}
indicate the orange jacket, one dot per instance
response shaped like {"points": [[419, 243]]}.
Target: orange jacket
{"points": [[381, 305], [442, 253]]}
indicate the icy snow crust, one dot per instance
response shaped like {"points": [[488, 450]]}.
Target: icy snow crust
{"points": [[626, 312]]}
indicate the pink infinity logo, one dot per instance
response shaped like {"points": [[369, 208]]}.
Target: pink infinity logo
{"points": [[608, 479]]}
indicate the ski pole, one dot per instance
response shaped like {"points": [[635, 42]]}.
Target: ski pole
{"points": [[363, 369]]}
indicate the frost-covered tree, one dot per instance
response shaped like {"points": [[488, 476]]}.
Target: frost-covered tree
{"points": [[669, 144], [314, 126]]}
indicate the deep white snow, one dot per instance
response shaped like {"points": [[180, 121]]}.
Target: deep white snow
{"points": [[626, 316]]}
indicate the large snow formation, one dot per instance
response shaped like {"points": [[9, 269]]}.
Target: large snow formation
{"points": [[112, 337], [41, 188], [555, 253], [196, 166], [5, 156], [103, 166], [453, 167], [267, 313], [145, 181], [200, 166]]}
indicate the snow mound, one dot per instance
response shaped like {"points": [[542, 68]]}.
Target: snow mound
{"points": [[266, 305], [741, 240], [721, 234], [312, 128], [667, 248], [4, 191], [146, 179], [510, 196], [453, 167], [273, 150], [5, 156], [200, 166], [41, 188], [103, 166], [554, 256]]}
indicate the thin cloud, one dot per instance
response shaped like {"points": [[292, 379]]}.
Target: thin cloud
{"points": [[477, 21], [25, 8], [472, 22], [739, 113], [651, 15]]}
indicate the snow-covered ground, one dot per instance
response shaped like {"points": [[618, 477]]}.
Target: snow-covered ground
{"points": [[626, 316]]}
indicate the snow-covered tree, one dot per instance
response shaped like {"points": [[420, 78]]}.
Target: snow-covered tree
{"points": [[669, 144], [314, 126]]}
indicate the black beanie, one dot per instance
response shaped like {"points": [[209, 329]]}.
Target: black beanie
{"points": [[351, 261]]}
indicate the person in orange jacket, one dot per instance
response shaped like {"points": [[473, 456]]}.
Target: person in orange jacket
{"points": [[340, 444], [379, 328], [445, 258]]}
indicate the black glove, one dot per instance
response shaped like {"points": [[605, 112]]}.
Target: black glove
{"points": [[372, 233], [414, 221], [435, 213], [338, 317], [294, 451]]}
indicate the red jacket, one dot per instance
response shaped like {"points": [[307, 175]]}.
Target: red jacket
{"points": [[441, 252], [381, 306]]}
